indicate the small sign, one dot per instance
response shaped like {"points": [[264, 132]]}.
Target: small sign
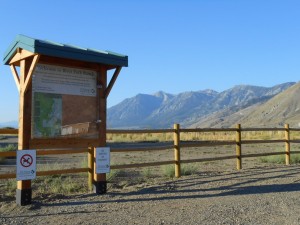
{"points": [[26, 164], [103, 160]]}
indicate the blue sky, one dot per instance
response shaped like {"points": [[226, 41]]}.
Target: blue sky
{"points": [[174, 46]]}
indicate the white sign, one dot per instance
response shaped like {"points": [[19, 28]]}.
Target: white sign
{"points": [[64, 80], [26, 164], [103, 160]]}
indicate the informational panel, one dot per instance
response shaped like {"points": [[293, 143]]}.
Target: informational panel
{"points": [[64, 80], [64, 102], [103, 160], [26, 164]]}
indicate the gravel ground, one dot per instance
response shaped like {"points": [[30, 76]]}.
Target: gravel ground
{"points": [[260, 195]]}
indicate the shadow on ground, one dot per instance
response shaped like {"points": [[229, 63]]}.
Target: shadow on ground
{"points": [[207, 185]]}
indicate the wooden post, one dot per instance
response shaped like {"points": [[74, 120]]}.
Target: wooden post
{"points": [[177, 149], [91, 168], [287, 144], [24, 191], [100, 184], [238, 147]]}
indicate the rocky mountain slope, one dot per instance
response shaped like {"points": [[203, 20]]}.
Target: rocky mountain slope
{"points": [[206, 108], [282, 108], [274, 112]]}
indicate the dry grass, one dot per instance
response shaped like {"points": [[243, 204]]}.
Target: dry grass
{"points": [[201, 136]]}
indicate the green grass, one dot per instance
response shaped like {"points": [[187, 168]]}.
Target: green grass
{"points": [[59, 184], [9, 187], [56, 184], [280, 159], [9, 148], [185, 170], [49, 185], [147, 172], [112, 175], [188, 169]]}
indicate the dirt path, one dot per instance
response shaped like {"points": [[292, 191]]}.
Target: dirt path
{"points": [[262, 195]]}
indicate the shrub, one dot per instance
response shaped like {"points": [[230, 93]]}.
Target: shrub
{"points": [[147, 172], [112, 175], [188, 169], [168, 171], [280, 159], [185, 170], [9, 148]]}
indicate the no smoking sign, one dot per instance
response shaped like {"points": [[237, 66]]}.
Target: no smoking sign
{"points": [[26, 164]]}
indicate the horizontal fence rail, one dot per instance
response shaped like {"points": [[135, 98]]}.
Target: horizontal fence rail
{"points": [[208, 130], [206, 143], [176, 146], [160, 131], [9, 131], [142, 149]]}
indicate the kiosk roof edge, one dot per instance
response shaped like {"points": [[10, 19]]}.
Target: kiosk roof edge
{"points": [[55, 49]]}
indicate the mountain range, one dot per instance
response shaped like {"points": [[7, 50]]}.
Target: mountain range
{"points": [[251, 106], [246, 104]]}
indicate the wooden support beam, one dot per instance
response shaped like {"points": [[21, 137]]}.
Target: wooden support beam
{"points": [[99, 181], [20, 55], [23, 194], [112, 81], [16, 76], [30, 72]]}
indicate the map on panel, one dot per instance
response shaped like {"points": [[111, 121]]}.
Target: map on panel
{"points": [[47, 118], [64, 102]]}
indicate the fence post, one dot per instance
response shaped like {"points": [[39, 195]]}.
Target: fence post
{"points": [[287, 144], [91, 168], [238, 147], [177, 149]]}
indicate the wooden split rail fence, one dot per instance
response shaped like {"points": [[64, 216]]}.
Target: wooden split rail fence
{"points": [[177, 145]]}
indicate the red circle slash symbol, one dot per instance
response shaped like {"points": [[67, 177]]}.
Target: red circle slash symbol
{"points": [[26, 160]]}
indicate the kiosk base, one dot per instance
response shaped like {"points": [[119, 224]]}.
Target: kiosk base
{"points": [[23, 197], [100, 187]]}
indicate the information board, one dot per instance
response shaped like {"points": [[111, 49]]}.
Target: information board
{"points": [[26, 164], [64, 102], [102, 160], [64, 80]]}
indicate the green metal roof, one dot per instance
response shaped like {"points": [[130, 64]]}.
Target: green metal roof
{"points": [[50, 48]]}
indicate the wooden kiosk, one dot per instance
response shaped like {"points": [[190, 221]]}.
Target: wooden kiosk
{"points": [[63, 92]]}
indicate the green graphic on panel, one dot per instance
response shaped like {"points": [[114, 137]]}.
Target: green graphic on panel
{"points": [[47, 113]]}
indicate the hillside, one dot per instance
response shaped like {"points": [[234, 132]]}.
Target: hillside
{"points": [[281, 109], [206, 108]]}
